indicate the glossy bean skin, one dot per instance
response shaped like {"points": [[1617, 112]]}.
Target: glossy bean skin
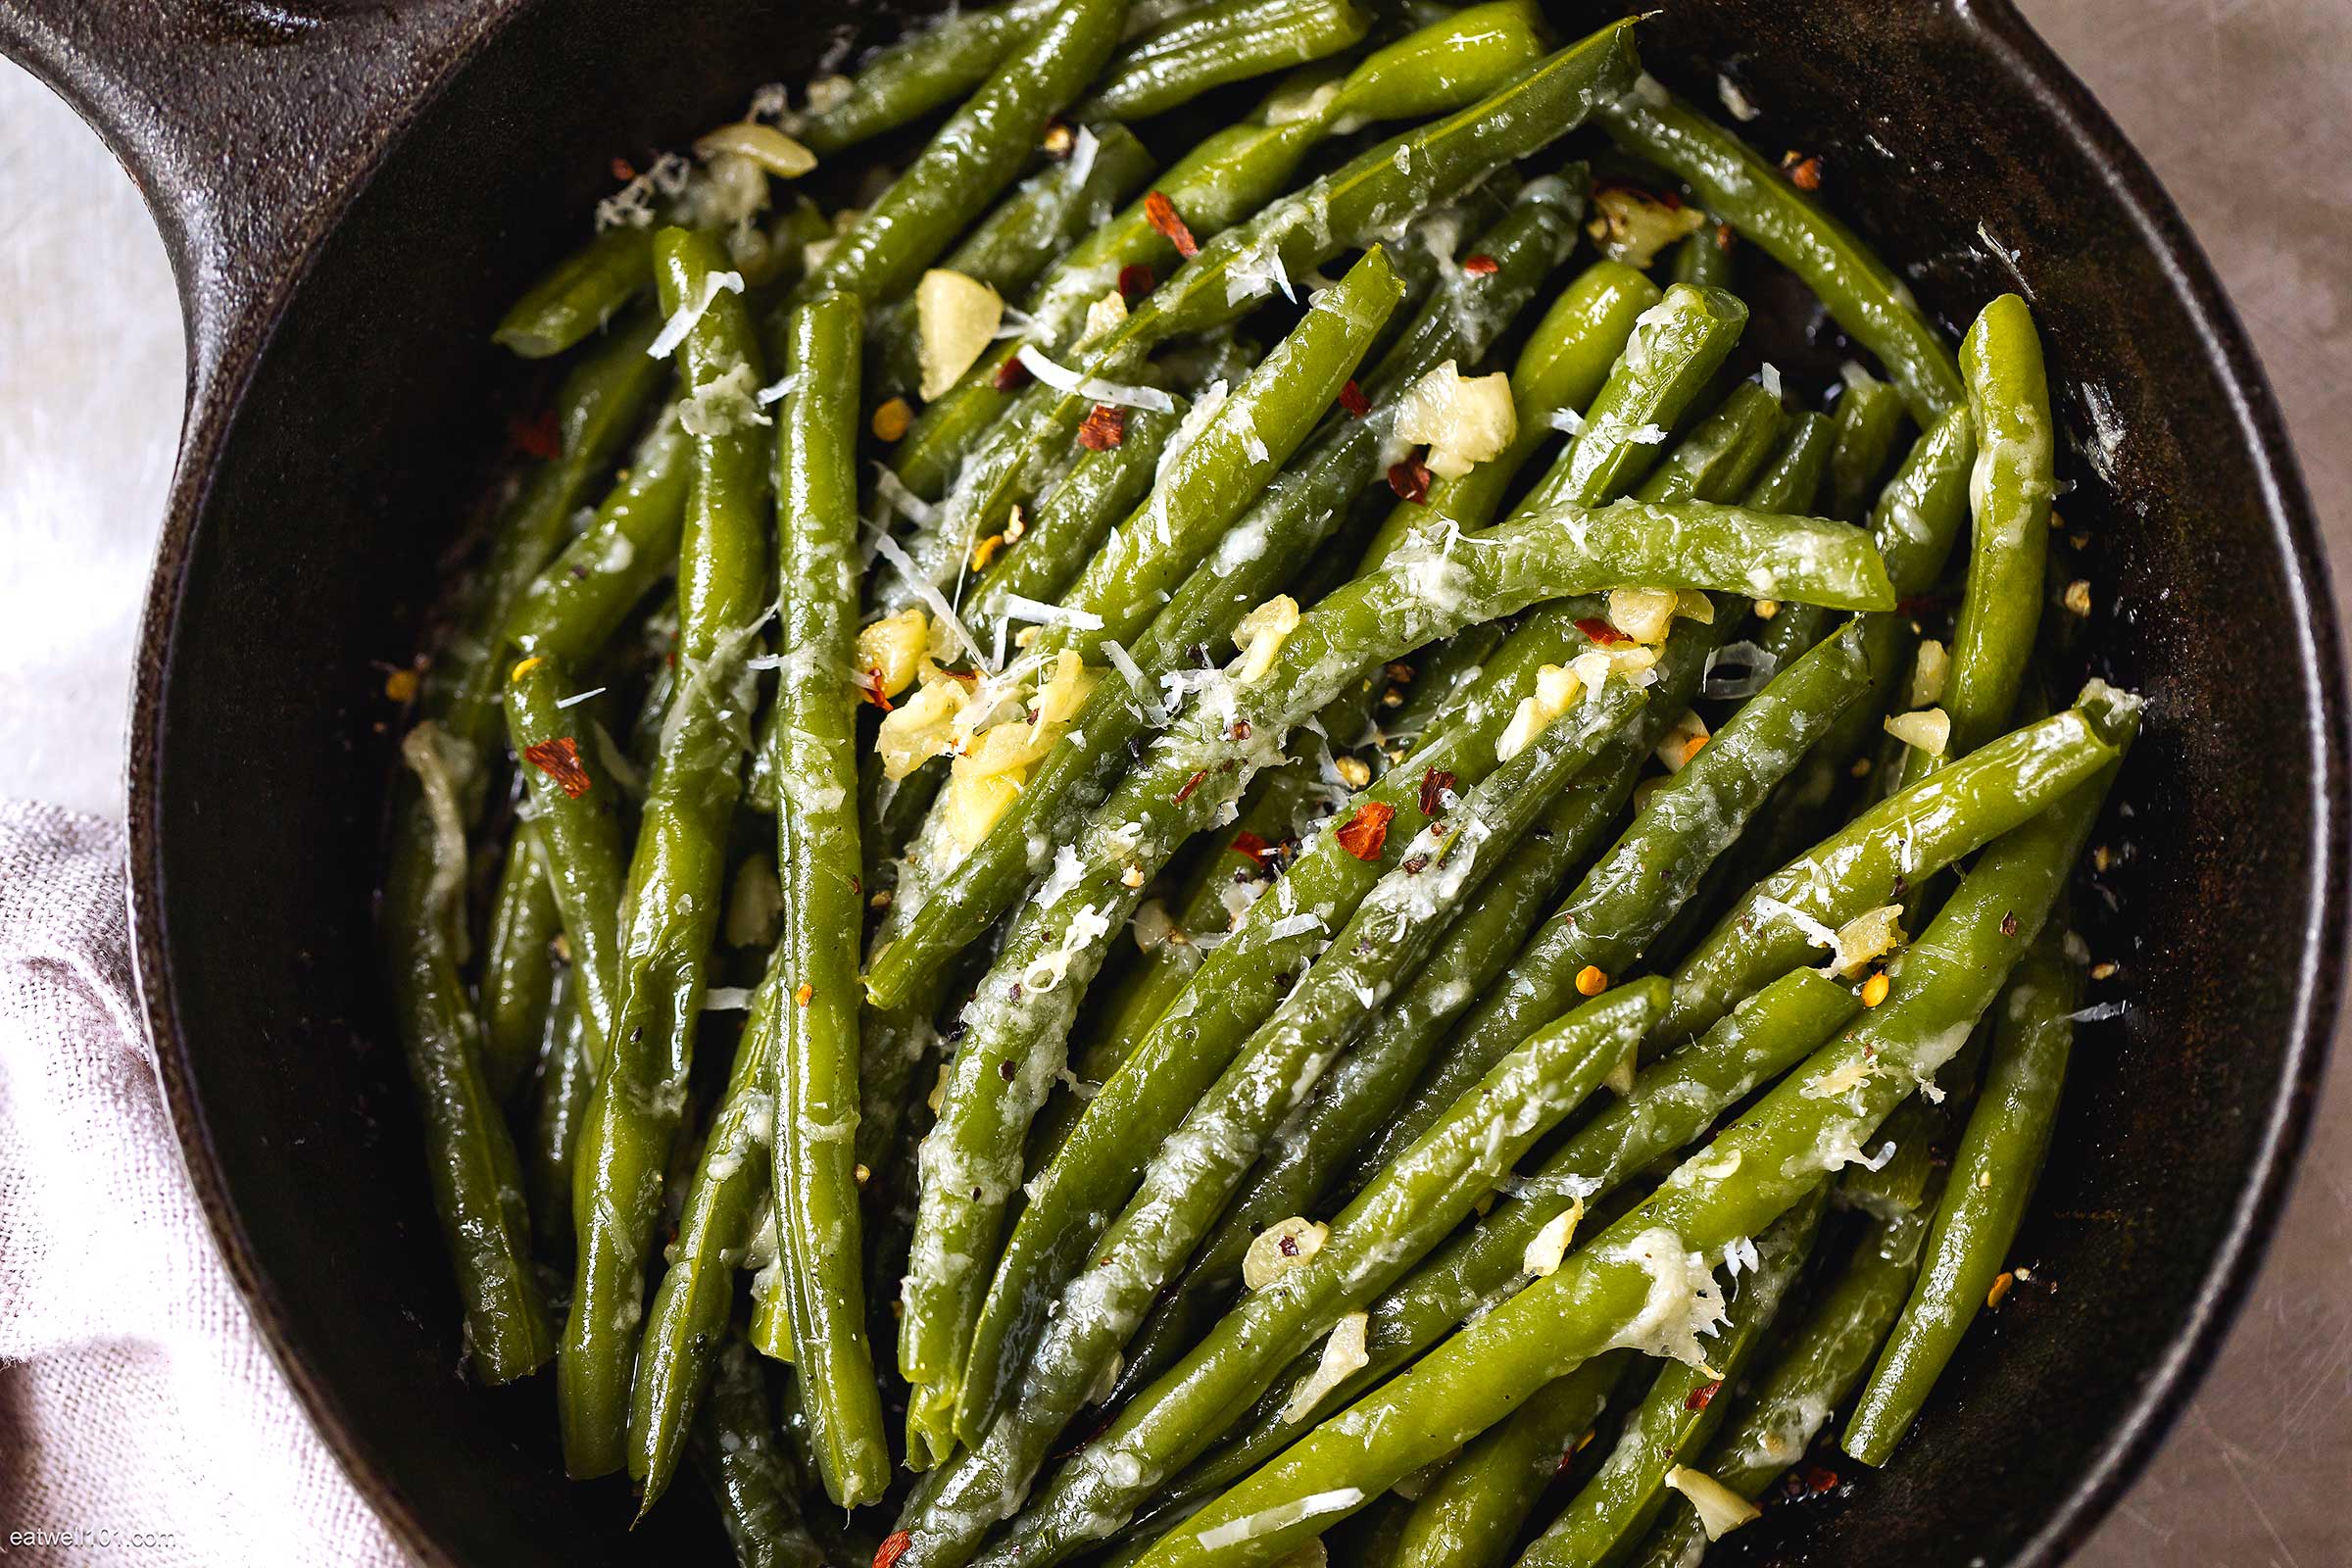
{"points": [[1736, 183], [926, 70], [518, 970], [566, 1077], [1993, 1175], [579, 836], [750, 1478], [1869, 415], [1221, 42], [573, 607]]}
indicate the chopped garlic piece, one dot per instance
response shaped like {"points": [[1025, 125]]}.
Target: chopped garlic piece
{"points": [[1870, 935], [921, 727], [955, 319], [973, 806], [1646, 614], [1683, 741], [1929, 673], [1720, 1509], [1837, 1080], [1548, 1245], [895, 645], [763, 145], [1261, 633], [1344, 1353], [1284, 1245], [1464, 420], [1930, 729], [1555, 690], [1152, 925], [1104, 314], [1631, 226], [1691, 605]]}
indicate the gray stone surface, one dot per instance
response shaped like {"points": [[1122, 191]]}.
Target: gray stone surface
{"points": [[2243, 106]]}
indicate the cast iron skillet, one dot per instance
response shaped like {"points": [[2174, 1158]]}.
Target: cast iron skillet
{"points": [[350, 192]]}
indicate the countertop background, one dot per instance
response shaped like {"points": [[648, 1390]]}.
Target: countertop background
{"points": [[2244, 107]]}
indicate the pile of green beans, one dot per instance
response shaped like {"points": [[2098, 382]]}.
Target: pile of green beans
{"points": [[1154, 953]]}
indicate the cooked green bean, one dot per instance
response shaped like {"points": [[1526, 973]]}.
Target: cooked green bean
{"points": [[1862, 294], [750, 1478], [576, 605], [1471, 1514], [1679, 1413], [1869, 415], [1703, 261], [676, 875], [518, 967], [566, 1077], [815, 1081], [1991, 1178], [928, 68], [1604, 1293], [1223, 41], [573, 804]]}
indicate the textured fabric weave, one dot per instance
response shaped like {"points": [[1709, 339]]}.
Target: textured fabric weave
{"points": [[140, 1415]]}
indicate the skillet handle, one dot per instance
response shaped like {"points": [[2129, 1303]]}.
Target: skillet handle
{"points": [[246, 125]]}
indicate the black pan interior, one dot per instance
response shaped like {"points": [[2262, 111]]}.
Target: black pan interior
{"points": [[1946, 137]]}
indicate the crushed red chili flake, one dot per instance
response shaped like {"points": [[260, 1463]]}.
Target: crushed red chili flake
{"points": [[1352, 399], [1700, 1397], [1191, 784], [1804, 173], [1160, 214], [1105, 427], [1135, 280], [1724, 237], [1411, 479], [622, 168], [1289, 1245], [1253, 848], [1415, 865], [1011, 376], [1602, 632], [893, 1546], [1480, 266], [1364, 834], [538, 436], [1240, 730], [560, 760], [1435, 782], [871, 688], [2009, 924], [1815, 1480]]}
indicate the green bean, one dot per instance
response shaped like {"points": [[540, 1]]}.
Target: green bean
{"points": [[1383, 185], [1723, 453], [1389, 1226], [1816, 1370], [1679, 1413], [1290, 519], [1992, 1176], [1230, 175], [725, 1199], [926, 70], [475, 1173], [2009, 503], [1186, 1183], [1807, 458], [576, 605], [1019, 238], [1703, 261], [1899, 842], [1223, 41], [578, 834], [1862, 294], [1608, 1292], [1626, 898], [1868, 416], [1672, 1103], [976, 154], [1791, 478], [676, 876], [1211, 479], [815, 1081], [567, 1076], [1471, 1514], [750, 1478], [1675, 351], [519, 968]]}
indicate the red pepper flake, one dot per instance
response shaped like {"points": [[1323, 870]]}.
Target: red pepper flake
{"points": [[1287, 1246], [1365, 833], [1160, 214], [1191, 784], [1011, 376], [1602, 632], [1411, 479], [1435, 783], [1700, 1397], [1253, 848], [623, 170], [1480, 266], [1804, 173], [1105, 427], [871, 688], [538, 437], [1724, 238], [560, 760], [1135, 280], [1819, 1479], [1352, 399], [893, 1546], [2009, 924]]}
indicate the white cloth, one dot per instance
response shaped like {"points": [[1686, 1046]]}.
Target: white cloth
{"points": [[140, 1415]]}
